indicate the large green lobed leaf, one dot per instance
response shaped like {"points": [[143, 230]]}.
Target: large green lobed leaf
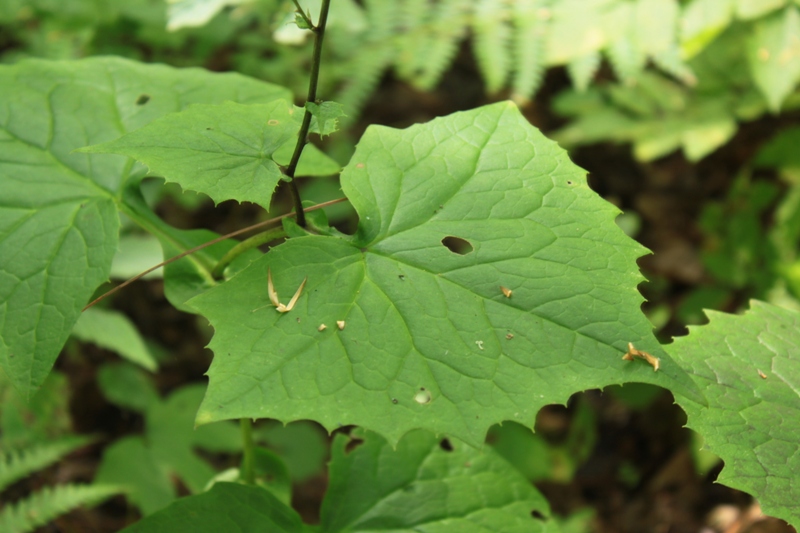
{"points": [[748, 367], [430, 340], [58, 209]]}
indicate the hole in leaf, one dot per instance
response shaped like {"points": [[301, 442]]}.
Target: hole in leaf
{"points": [[352, 445], [423, 397], [537, 515], [142, 99], [457, 245], [445, 445]]}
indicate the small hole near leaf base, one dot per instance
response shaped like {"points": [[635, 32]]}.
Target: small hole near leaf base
{"points": [[445, 445], [352, 445], [537, 515], [457, 245]]}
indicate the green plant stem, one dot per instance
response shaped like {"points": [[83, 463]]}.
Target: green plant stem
{"points": [[247, 244], [247, 472], [302, 136], [303, 14], [204, 245]]}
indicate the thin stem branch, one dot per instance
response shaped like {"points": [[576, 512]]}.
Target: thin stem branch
{"points": [[205, 245], [303, 15], [247, 244], [247, 472], [302, 136]]}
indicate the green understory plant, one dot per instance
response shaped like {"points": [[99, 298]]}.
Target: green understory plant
{"points": [[661, 74], [484, 281], [32, 438]]}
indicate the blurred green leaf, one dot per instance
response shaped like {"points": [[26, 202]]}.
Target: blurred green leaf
{"points": [[127, 386], [773, 52], [167, 447], [302, 445], [114, 331], [425, 483], [226, 507], [129, 462]]}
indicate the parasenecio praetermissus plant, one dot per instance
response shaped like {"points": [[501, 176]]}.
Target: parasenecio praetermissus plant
{"points": [[394, 328]]}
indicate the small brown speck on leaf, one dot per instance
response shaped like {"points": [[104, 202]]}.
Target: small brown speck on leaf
{"points": [[506, 291], [762, 375]]}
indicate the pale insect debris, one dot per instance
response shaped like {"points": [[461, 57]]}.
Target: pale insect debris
{"points": [[273, 296], [762, 375], [506, 291], [633, 353], [340, 324], [322, 327], [510, 336], [480, 344]]}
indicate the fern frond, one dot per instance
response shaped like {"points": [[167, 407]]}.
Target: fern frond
{"points": [[412, 23], [17, 464], [529, 19], [49, 503], [626, 60], [670, 62], [491, 26], [365, 69], [583, 69], [439, 44]]}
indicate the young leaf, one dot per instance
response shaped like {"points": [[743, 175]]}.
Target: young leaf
{"points": [[450, 211], [325, 117], [427, 484], [225, 151], [226, 507], [58, 221], [749, 369]]}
